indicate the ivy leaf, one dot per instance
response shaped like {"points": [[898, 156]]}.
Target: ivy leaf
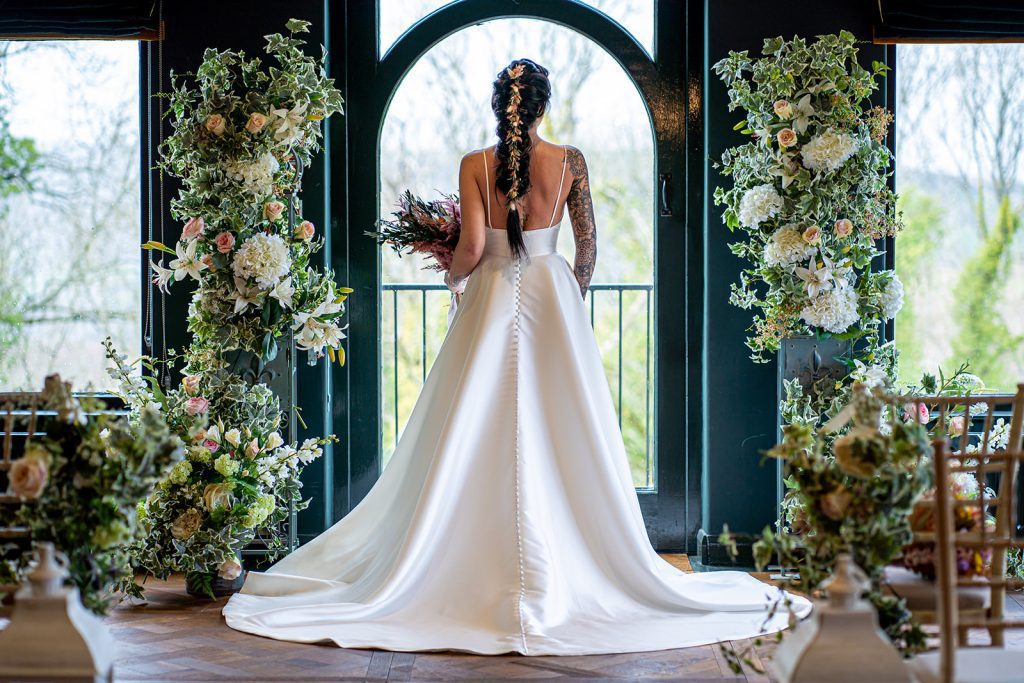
{"points": [[297, 26], [269, 348]]}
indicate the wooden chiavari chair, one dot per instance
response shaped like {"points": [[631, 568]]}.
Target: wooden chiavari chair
{"points": [[19, 421], [956, 660], [978, 599]]}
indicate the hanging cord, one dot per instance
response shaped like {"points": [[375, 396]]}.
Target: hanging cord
{"points": [[165, 376]]}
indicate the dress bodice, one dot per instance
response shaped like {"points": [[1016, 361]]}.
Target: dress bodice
{"points": [[539, 242]]}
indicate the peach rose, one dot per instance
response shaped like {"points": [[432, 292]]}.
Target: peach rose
{"points": [[196, 406], [217, 496], [225, 242], [786, 137], [28, 475], [190, 383], [194, 228], [254, 449], [834, 504], [256, 122], [230, 569], [273, 210], [812, 235], [844, 226], [207, 261], [304, 231], [783, 109], [216, 124]]}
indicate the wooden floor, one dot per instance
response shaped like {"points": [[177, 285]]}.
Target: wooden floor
{"points": [[173, 637]]}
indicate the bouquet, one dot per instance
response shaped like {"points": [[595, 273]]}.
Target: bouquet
{"points": [[423, 227], [81, 482]]}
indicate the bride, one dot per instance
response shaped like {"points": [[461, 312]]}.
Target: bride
{"points": [[506, 520]]}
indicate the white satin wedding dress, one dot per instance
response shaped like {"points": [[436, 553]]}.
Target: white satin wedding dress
{"points": [[506, 520]]}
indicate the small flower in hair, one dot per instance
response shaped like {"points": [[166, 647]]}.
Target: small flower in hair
{"points": [[515, 72]]}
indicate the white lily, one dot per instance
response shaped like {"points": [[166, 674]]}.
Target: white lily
{"points": [[289, 123], [245, 296], [788, 169], [283, 292], [802, 112], [186, 264], [163, 277], [816, 279]]}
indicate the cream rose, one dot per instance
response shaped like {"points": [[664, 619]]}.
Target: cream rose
{"points": [[305, 231], [812, 235], [783, 109], [256, 122], [233, 437], [28, 475], [218, 496], [186, 524], [273, 441], [844, 226], [216, 124], [190, 383], [786, 137], [224, 242], [273, 210]]}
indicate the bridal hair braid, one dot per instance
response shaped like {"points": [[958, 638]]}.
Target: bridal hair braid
{"points": [[521, 95]]}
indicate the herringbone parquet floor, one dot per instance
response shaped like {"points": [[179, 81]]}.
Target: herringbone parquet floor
{"points": [[173, 637]]}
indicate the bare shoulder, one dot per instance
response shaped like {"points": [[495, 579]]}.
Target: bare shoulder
{"points": [[576, 161], [474, 159]]}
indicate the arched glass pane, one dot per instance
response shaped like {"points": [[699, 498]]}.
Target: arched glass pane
{"points": [[397, 16], [440, 112], [636, 16]]}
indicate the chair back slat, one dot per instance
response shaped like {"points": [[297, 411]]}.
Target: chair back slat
{"points": [[19, 420]]}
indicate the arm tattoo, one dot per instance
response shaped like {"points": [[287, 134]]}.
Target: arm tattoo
{"points": [[581, 215]]}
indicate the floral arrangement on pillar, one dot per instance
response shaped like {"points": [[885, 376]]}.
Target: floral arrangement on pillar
{"points": [[809, 190], [243, 132], [80, 484]]}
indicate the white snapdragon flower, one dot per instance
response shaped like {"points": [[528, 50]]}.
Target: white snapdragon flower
{"points": [[758, 204]]}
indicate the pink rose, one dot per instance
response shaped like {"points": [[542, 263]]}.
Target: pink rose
{"points": [[216, 124], [783, 109], [196, 406], [27, 476], [190, 383], [272, 210], [225, 242], [254, 449], [844, 226], [955, 427], [921, 409], [256, 122], [786, 137], [211, 445], [304, 231], [194, 228], [812, 235]]}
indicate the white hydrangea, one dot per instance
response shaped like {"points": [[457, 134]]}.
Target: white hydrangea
{"points": [[787, 246], [828, 151], [834, 310], [256, 176], [891, 297], [758, 204], [264, 258]]}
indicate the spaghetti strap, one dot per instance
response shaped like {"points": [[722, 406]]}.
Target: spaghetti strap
{"points": [[487, 188], [561, 182]]}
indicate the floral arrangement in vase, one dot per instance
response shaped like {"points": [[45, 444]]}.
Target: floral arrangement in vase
{"points": [[424, 227], [80, 484], [809, 190], [243, 132], [851, 486]]}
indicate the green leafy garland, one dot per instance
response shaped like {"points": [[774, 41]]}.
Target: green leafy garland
{"points": [[242, 134], [809, 190]]}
